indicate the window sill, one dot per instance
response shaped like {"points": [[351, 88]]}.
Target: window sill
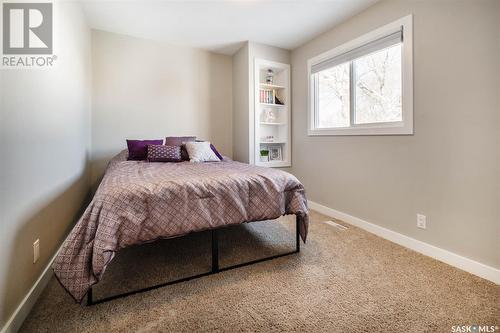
{"points": [[399, 129]]}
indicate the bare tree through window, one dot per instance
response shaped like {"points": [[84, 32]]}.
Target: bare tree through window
{"points": [[334, 97], [378, 86], [377, 90]]}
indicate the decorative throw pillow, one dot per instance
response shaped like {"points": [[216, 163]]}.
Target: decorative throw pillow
{"points": [[138, 149], [216, 152], [161, 153], [179, 141], [201, 152], [213, 149]]}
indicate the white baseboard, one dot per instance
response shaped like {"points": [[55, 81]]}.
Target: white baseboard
{"points": [[486, 272], [16, 320]]}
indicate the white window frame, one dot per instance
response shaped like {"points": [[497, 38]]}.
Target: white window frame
{"points": [[405, 127]]}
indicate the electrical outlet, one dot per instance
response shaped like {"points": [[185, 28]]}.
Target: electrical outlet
{"points": [[36, 251], [421, 221]]}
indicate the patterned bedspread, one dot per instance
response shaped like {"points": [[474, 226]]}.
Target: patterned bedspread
{"points": [[139, 202]]}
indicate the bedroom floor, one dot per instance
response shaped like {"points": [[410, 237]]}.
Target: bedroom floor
{"points": [[342, 281]]}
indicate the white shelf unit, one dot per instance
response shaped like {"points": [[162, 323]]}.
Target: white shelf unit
{"points": [[272, 120]]}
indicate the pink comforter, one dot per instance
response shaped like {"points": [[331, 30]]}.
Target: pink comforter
{"points": [[138, 202]]}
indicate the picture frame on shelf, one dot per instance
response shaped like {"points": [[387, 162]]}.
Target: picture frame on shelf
{"points": [[275, 153], [278, 101]]}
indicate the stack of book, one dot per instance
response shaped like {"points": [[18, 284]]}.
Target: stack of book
{"points": [[267, 96]]}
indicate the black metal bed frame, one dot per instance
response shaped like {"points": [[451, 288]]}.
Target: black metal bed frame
{"points": [[215, 267]]}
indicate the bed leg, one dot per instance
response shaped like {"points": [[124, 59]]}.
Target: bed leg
{"points": [[89, 297], [298, 219], [215, 251]]}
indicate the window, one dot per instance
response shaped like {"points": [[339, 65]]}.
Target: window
{"points": [[364, 87]]}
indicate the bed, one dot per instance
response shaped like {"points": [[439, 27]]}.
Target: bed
{"points": [[139, 202]]}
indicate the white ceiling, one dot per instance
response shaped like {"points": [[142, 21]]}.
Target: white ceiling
{"points": [[221, 26]]}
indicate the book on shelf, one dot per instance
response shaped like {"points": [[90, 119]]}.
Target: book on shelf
{"points": [[267, 96]]}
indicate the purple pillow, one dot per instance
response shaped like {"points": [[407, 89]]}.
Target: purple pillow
{"points": [[213, 149], [177, 141], [161, 153], [138, 149]]}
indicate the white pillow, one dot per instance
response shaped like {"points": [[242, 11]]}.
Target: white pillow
{"points": [[201, 152]]}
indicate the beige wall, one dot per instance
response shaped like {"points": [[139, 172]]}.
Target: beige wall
{"points": [[449, 170], [45, 136], [144, 89], [241, 88], [243, 94]]}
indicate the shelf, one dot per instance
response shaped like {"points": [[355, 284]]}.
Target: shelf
{"points": [[272, 142], [271, 86], [274, 164], [271, 120], [272, 124], [272, 104]]}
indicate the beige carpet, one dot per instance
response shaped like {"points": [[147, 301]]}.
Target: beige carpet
{"points": [[342, 281]]}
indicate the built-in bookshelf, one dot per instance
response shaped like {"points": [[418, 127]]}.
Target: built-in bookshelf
{"points": [[272, 114]]}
